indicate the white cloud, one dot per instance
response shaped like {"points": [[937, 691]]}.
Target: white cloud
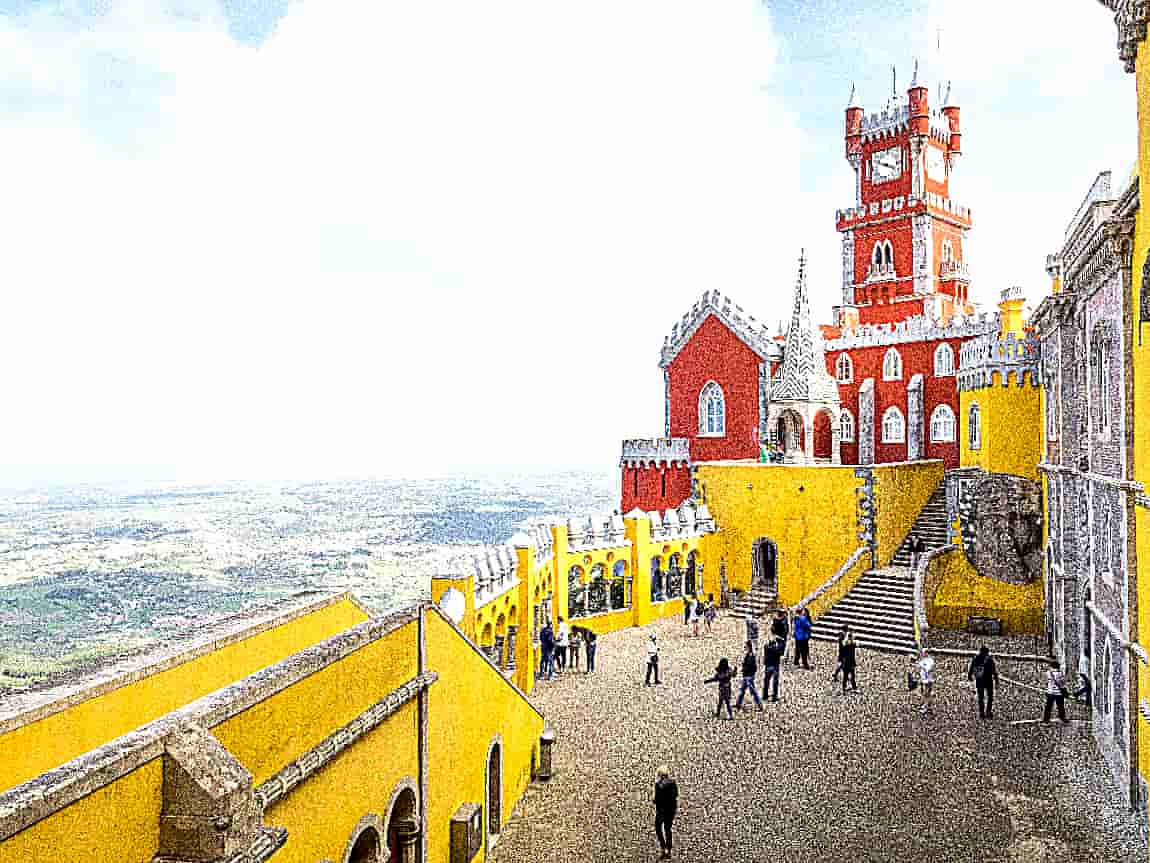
{"points": [[395, 238]]}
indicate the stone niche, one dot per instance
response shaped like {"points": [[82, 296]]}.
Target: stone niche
{"points": [[1002, 527]]}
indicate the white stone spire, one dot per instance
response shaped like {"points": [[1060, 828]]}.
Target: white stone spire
{"points": [[804, 376]]}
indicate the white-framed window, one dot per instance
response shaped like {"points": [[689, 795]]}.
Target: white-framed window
{"points": [[1106, 537], [892, 365], [844, 369], [712, 411], [893, 426], [942, 425], [846, 427], [1051, 397], [974, 427], [1102, 363], [947, 252], [882, 255], [944, 361]]}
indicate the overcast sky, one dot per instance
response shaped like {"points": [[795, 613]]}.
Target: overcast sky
{"points": [[272, 239]]}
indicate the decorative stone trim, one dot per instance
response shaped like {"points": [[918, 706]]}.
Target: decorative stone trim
{"points": [[1142, 499], [921, 623], [1130, 17], [1126, 485], [1144, 709], [856, 555], [270, 841], [372, 821], [639, 452], [915, 329], [981, 357], [322, 754], [754, 334], [1133, 646]]}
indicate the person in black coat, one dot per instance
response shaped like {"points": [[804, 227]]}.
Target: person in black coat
{"points": [[722, 676], [985, 675], [666, 805], [849, 661], [772, 665], [780, 628], [750, 667]]}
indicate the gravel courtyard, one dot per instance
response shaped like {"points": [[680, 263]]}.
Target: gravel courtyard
{"points": [[863, 776]]}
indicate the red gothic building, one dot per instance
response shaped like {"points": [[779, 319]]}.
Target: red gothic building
{"points": [[879, 385]]}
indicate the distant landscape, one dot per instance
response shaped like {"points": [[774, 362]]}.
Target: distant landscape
{"points": [[91, 572]]}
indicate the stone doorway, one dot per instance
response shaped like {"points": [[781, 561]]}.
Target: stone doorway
{"points": [[403, 843], [789, 435], [765, 565]]}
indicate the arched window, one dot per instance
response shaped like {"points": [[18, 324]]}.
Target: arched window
{"points": [[974, 427], [1051, 398], [892, 366], [1101, 383], [893, 426], [846, 427], [1106, 535], [944, 361], [942, 425], [712, 412], [876, 255], [947, 252], [888, 254], [844, 369]]}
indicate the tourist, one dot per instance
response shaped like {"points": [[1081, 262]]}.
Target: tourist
{"points": [[546, 651], [666, 804], [562, 634], [1055, 692], [984, 673], [803, 638], [695, 609], [574, 643], [652, 660], [688, 604], [722, 676], [1084, 693], [710, 613], [924, 668], [772, 665], [839, 665], [848, 661], [752, 630], [780, 627], [750, 666], [590, 639], [917, 546]]}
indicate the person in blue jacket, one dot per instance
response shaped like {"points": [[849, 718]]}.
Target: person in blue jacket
{"points": [[803, 638]]}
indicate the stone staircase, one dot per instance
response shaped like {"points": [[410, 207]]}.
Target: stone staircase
{"points": [[930, 527], [879, 609], [757, 602]]}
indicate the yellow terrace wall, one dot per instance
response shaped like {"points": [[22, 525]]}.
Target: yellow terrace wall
{"points": [[119, 823], [808, 511], [469, 708], [40, 745], [1011, 427], [961, 593], [900, 491]]}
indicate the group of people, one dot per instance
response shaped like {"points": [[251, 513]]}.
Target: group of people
{"points": [[560, 648], [695, 610]]}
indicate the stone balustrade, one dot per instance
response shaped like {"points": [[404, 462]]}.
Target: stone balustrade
{"points": [[880, 273], [951, 270]]}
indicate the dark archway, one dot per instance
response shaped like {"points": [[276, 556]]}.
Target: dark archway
{"points": [[692, 573], [403, 825], [823, 437], [789, 434], [494, 790], [765, 565], [367, 847]]}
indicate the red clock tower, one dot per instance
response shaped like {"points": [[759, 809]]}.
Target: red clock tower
{"points": [[903, 239]]}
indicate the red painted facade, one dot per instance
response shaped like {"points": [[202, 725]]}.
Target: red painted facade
{"points": [[655, 487]]}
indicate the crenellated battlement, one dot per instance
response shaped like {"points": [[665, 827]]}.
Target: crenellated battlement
{"points": [[641, 452], [755, 333], [981, 358], [596, 531], [915, 329], [684, 521], [495, 572]]}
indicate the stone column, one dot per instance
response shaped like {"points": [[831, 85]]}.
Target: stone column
{"points": [[865, 431], [407, 832], [914, 419]]}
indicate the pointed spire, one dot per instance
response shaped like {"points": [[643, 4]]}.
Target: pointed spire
{"points": [[804, 375], [914, 81], [853, 101], [893, 81], [946, 100]]}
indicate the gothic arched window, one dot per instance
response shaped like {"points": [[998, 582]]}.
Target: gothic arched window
{"points": [[888, 254], [712, 411], [974, 427], [846, 427], [893, 426], [942, 425], [844, 369], [944, 361], [892, 366]]}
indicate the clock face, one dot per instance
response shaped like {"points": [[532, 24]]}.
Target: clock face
{"points": [[935, 163], [886, 165]]}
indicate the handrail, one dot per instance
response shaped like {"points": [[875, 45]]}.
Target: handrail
{"points": [[921, 624], [834, 579], [1133, 646]]}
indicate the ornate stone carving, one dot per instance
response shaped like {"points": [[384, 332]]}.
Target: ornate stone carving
{"points": [[914, 410], [848, 267], [1002, 527], [1130, 17], [804, 376], [922, 242], [865, 431]]}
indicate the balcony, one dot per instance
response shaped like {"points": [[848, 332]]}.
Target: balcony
{"points": [[880, 273], [954, 271]]}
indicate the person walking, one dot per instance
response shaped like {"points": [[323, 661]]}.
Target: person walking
{"points": [[984, 673], [722, 676], [750, 666], [696, 609], [772, 666], [710, 613], [780, 627], [688, 604], [546, 651], [848, 661], [666, 805], [652, 660], [803, 638], [590, 640], [924, 668], [752, 630], [839, 665], [1055, 692], [574, 644], [562, 636]]}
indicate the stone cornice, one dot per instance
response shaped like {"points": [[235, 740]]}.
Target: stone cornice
{"points": [[751, 332]]}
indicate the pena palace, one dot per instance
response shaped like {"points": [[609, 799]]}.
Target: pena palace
{"points": [[876, 386]]}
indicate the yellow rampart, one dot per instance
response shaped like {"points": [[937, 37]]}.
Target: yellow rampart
{"points": [[955, 591]]}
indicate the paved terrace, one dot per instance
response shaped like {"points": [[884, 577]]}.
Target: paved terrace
{"points": [[863, 776]]}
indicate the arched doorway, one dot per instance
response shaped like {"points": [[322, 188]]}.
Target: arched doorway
{"points": [[403, 828], [765, 565], [789, 434], [656, 580], [823, 437], [494, 791], [366, 848]]}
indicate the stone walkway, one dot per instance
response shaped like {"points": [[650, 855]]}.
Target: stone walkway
{"points": [[862, 776]]}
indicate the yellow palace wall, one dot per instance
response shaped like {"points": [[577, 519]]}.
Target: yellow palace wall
{"points": [[34, 747], [1011, 427], [901, 491], [955, 591]]}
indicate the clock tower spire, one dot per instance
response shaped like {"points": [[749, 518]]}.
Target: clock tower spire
{"points": [[904, 237]]}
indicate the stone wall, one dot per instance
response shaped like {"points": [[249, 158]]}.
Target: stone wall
{"points": [[1002, 527]]}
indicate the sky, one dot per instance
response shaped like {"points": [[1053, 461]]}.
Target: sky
{"points": [[250, 239]]}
